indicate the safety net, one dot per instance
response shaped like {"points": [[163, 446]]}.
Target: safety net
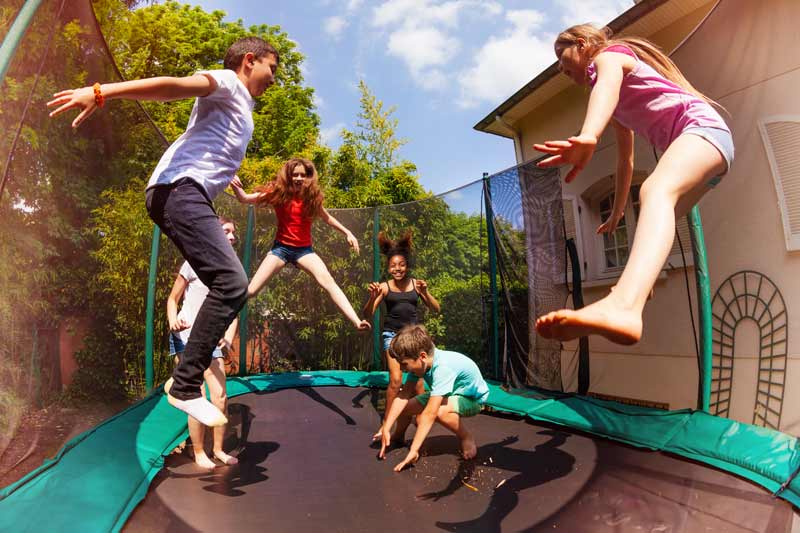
{"points": [[76, 248]]}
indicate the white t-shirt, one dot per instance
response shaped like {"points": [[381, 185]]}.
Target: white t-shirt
{"points": [[211, 149], [193, 298]]}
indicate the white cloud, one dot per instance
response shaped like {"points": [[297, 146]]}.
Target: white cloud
{"points": [[352, 5], [422, 34], [318, 101], [600, 12], [506, 63], [334, 26], [422, 47], [330, 135]]}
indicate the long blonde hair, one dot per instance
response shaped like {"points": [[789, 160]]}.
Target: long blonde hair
{"points": [[598, 40], [280, 190]]}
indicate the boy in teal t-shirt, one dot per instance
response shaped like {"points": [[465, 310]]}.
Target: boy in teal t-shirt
{"points": [[457, 390]]}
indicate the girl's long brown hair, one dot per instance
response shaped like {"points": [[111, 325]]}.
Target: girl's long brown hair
{"points": [[599, 39], [280, 190]]}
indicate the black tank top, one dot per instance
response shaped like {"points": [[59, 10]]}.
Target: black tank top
{"points": [[401, 308]]}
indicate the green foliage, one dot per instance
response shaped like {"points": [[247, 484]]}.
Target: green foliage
{"points": [[76, 238], [173, 39]]}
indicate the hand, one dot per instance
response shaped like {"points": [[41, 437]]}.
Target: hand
{"points": [[385, 438], [421, 286], [81, 98], [364, 325], [575, 151], [410, 459], [179, 325], [236, 183], [374, 290], [610, 224], [225, 345], [353, 242]]}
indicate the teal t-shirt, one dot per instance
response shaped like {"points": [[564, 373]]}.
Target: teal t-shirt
{"points": [[454, 373]]}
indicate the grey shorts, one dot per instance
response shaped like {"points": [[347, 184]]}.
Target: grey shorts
{"points": [[722, 141]]}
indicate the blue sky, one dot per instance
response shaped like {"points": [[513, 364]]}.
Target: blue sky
{"points": [[444, 64]]}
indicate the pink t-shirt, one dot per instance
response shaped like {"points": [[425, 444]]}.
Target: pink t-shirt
{"points": [[654, 107]]}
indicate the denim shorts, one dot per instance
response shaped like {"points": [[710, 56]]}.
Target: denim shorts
{"points": [[386, 339], [461, 405], [722, 141], [290, 254], [176, 346]]}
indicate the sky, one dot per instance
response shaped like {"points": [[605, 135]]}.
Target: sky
{"points": [[443, 64]]}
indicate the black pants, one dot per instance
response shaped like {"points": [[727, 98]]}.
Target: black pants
{"points": [[185, 214]]}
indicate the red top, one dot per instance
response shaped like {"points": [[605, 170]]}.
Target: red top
{"points": [[294, 229]]}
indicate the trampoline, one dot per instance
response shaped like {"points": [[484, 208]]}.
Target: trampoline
{"points": [[547, 460], [306, 464]]}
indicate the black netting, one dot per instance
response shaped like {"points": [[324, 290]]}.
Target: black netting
{"points": [[53, 298], [75, 248], [529, 228]]}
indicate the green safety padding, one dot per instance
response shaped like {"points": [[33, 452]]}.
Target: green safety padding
{"points": [[99, 477]]}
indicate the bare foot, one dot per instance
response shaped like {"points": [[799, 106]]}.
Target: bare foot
{"points": [[198, 408], [468, 447], [202, 460], [604, 317], [225, 458]]}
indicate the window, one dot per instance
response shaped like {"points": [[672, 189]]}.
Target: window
{"points": [[615, 245], [613, 249]]}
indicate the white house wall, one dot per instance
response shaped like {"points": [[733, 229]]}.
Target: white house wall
{"points": [[742, 56]]}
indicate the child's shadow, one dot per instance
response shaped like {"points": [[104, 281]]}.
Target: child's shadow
{"points": [[228, 480], [544, 463]]}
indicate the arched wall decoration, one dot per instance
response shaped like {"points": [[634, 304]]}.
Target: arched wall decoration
{"points": [[750, 295]]}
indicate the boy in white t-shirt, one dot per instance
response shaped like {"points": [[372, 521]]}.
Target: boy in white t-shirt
{"points": [[190, 289], [195, 168]]}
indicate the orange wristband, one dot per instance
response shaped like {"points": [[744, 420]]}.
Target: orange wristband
{"points": [[99, 99]]}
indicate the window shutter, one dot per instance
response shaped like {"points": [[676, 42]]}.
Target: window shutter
{"points": [[781, 136], [572, 227]]}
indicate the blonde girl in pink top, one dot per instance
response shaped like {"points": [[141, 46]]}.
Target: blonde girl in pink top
{"points": [[636, 88]]}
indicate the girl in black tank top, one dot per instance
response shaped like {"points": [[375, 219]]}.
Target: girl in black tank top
{"points": [[401, 294]]}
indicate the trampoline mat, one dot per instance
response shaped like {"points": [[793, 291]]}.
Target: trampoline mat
{"points": [[306, 463]]}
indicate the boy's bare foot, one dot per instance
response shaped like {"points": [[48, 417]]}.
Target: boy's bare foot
{"points": [[202, 460], [198, 408], [603, 317], [225, 458], [468, 447]]}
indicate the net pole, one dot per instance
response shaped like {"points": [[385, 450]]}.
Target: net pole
{"points": [[494, 337], [376, 276], [15, 34], [704, 307], [243, 314], [151, 307]]}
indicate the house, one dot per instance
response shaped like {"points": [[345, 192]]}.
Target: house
{"points": [[742, 54]]}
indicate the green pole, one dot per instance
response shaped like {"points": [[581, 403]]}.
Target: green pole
{"points": [[15, 34], [248, 254], [151, 308], [376, 276], [704, 307], [494, 337]]}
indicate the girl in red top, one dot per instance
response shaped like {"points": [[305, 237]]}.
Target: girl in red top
{"points": [[297, 198]]}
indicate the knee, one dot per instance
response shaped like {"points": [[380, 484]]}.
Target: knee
{"points": [[652, 190], [219, 399], [395, 383], [326, 280]]}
